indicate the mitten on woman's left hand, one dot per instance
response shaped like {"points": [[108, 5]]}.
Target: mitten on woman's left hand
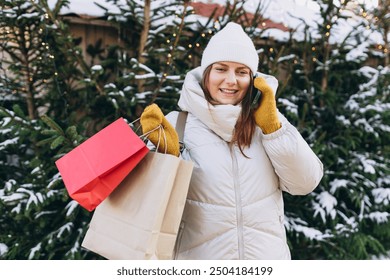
{"points": [[167, 141], [266, 115]]}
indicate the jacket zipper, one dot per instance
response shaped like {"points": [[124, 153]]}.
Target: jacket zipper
{"points": [[237, 192]]}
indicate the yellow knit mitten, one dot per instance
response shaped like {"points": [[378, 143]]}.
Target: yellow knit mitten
{"points": [[151, 118], [266, 116]]}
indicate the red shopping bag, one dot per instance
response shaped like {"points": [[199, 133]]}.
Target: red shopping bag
{"points": [[96, 167]]}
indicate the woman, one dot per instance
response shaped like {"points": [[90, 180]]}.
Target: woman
{"points": [[244, 156]]}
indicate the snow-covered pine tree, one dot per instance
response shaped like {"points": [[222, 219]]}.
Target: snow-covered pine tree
{"points": [[152, 58], [342, 108], [76, 99], [38, 63]]}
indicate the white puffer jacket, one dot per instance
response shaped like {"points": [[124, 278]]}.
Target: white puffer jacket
{"points": [[234, 208]]}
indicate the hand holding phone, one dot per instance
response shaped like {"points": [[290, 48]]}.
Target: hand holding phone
{"points": [[266, 114]]}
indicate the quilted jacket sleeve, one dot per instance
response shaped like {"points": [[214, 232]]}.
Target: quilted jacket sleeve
{"points": [[298, 168]]}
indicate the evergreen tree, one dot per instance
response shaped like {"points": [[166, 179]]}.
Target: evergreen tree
{"points": [[58, 100], [340, 107], [39, 60]]}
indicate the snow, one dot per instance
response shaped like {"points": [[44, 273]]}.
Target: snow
{"points": [[381, 195], [326, 205], [34, 250], [310, 233], [67, 227], [86, 7], [3, 249], [338, 183], [8, 142], [358, 53], [70, 207], [97, 68], [379, 217]]}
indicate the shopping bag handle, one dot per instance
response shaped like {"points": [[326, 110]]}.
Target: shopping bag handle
{"points": [[180, 127]]}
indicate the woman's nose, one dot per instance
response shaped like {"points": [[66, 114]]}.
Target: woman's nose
{"points": [[231, 77]]}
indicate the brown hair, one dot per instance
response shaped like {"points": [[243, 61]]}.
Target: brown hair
{"points": [[245, 126]]}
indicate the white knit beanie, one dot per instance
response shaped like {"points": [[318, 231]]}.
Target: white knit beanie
{"points": [[231, 44]]}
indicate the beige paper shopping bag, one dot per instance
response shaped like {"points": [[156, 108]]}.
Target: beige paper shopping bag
{"points": [[140, 219]]}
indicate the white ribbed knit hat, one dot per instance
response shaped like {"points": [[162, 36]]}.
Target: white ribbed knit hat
{"points": [[231, 44]]}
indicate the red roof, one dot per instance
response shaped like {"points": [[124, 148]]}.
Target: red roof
{"points": [[206, 10]]}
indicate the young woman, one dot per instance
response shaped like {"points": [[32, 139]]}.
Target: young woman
{"points": [[245, 154]]}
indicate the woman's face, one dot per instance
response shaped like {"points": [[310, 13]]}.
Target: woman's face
{"points": [[228, 82]]}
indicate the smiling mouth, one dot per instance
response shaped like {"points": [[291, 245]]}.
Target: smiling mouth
{"points": [[228, 91]]}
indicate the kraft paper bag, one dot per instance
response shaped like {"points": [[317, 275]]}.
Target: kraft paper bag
{"points": [[141, 217], [95, 168]]}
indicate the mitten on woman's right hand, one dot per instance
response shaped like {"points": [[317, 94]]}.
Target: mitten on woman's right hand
{"points": [[165, 138], [266, 115]]}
